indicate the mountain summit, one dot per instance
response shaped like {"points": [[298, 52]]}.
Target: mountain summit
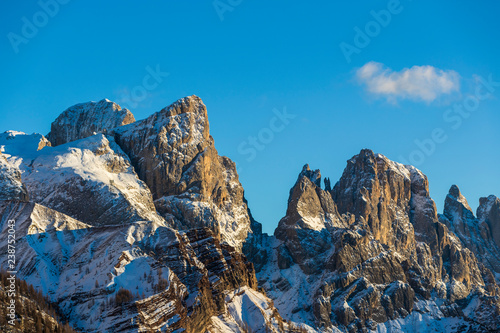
{"points": [[86, 119]]}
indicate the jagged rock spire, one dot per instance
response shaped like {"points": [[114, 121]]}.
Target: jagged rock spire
{"points": [[478, 234]]}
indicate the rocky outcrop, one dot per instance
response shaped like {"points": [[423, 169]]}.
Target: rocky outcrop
{"points": [[86, 119], [369, 251], [479, 234], [379, 194], [174, 154]]}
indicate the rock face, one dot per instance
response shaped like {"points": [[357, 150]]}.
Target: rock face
{"points": [[481, 235], [369, 252], [378, 192], [86, 119], [174, 154]]}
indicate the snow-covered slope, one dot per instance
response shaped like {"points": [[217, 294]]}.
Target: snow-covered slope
{"points": [[20, 143], [90, 179], [11, 186], [251, 311]]}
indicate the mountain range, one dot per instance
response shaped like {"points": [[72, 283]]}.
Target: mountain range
{"points": [[141, 226]]}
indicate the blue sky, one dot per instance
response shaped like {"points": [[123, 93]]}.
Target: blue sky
{"points": [[250, 59]]}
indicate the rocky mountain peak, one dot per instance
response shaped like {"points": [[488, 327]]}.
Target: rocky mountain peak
{"points": [[454, 192], [366, 173], [489, 212], [310, 212], [378, 192], [455, 195], [173, 153], [313, 176], [86, 119], [486, 205], [192, 104], [479, 234], [458, 216]]}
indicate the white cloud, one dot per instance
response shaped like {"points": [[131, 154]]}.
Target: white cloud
{"points": [[420, 83]]}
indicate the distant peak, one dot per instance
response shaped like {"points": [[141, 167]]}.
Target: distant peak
{"points": [[455, 195], [485, 200], [189, 104], [455, 191], [106, 103], [186, 101], [14, 133], [486, 204], [367, 152]]}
